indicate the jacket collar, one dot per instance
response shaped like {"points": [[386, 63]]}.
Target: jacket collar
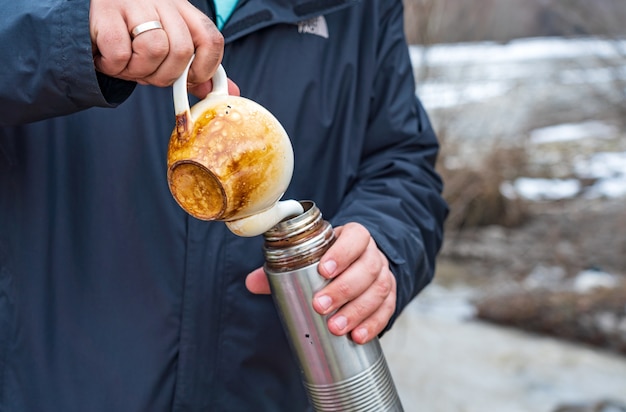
{"points": [[252, 15]]}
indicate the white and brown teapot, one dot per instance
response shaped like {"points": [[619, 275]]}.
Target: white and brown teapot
{"points": [[229, 159]]}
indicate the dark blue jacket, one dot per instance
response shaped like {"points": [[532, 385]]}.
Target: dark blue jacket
{"points": [[112, 298]]}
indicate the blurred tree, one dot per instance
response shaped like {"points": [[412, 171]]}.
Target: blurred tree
{"points": [[604, 19], [449, 21], [581, 17]]}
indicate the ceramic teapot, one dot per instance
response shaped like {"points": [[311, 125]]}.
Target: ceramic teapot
{"points": [[229, 159]]}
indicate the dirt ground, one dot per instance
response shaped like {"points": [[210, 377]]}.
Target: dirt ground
{"points": [[526, 277], [575, 234]]}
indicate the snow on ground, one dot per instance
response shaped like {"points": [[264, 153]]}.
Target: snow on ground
{"points": [[473, 73], [494, 68], [573, 131], [607, 169], [610, 170], [541, 189], [521, 50]]}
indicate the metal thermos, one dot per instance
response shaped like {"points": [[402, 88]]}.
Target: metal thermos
{"points": [[338, 374]]}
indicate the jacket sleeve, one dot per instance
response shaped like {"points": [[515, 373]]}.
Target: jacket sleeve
{"points": [[47, 65], [397, 195]]}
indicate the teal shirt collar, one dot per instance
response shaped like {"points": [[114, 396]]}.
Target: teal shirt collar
{"points": [[223, 10]]}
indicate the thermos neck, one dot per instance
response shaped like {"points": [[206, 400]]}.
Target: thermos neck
{"points": [[299, 241]]}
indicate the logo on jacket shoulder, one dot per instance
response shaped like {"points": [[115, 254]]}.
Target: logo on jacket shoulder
{"points": [[316, 25]]}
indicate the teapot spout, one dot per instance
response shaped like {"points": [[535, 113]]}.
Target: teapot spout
{"points": [[262, 222]]}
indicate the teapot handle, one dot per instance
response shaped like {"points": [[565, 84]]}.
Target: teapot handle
{"points": [[181, 98]]}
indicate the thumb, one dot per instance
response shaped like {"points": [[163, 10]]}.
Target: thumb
{"points": [[257, 283]]}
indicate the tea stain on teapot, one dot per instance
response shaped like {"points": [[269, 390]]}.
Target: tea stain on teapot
{"points": [[229, 159], [243, 153]]}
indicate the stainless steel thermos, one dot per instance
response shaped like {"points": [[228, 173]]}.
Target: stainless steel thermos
{"points": [[338, 374]]}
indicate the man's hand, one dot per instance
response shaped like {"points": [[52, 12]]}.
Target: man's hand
{"points": [[363, 290], [157, 57]]}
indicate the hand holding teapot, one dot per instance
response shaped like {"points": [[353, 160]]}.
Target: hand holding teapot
{"points": [[229, 159]]}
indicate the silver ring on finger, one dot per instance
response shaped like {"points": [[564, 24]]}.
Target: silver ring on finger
{"points": [[144, 27]]}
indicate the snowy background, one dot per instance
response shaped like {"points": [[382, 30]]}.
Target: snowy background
{"points": [[558, 99], [526, 74]]}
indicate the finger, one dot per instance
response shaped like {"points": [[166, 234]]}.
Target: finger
{"points": [[369, 312], [364, 306], [377, 322], [257, 283], [109, 34], [351, 241], [352, 283], [149, 51], [208, 44], [172, 56]]}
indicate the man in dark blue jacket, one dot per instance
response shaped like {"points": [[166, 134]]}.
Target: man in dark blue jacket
{"points": [[112, 298]]}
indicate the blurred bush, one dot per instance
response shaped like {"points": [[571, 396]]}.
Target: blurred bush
{"points": [[473, 191]]}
